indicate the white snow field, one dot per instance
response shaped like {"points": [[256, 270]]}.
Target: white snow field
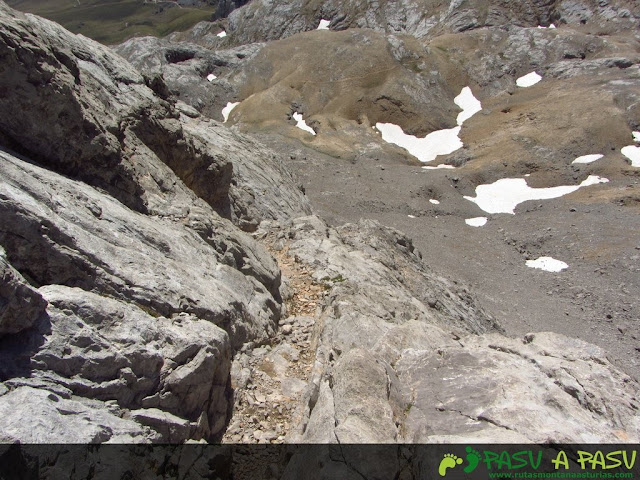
{"points": [[636, 137], [211, 77], [440, 142], [588, 158], [528, 80], [301, 124], [502, 196], [434, 201], [547, 264], [476, 221], [632, 153], [469, 104], [227, 110], [222, 34], [439, 167], [324, 25]]}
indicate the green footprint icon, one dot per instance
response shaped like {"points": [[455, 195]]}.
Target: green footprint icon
{"points": [[449, 461], [473, 457]]}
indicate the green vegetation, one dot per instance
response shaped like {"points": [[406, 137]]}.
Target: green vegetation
{"points": [[113, 21]]}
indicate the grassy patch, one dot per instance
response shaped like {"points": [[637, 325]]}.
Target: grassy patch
{"points": [[113, 21]]}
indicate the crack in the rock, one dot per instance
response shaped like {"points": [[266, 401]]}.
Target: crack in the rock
{"points": [[479, 418]]}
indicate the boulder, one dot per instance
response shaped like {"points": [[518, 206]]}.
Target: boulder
{"points": [[32, 415]]}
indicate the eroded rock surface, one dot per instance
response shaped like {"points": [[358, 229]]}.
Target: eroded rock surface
{"points": [[102, 124], [134, 309], [20, 304], [124, 291], [419, 18]]}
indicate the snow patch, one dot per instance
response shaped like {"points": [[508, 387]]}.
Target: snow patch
{"points": [[211, 77], [636, 137], [632, 153], [439, 167], [227, 110], [504, 195], [411, 216], [440, 142], [434, 201], [548, 264], [552, 26], [528, 80], [476, 221], [324, 25], [301, 124], [469, 104], [222, 34], [588, 158]]}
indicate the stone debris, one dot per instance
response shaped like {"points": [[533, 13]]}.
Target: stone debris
{"points": [[268, 380]]}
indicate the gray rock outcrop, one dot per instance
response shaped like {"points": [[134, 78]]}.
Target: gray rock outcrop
{"points": [[102, 124], [124, 292], [419, 18], [405, 356], [20, 304], [129, 287]]}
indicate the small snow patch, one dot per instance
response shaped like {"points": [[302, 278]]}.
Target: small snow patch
{"points": [[504, 195], [548, 264], [476, 222], [411, 216], [434, 201], [632, 153], [636, 137], [469, 104], [211, 77], [528, 80], [588, 158], [301, 124], [550, 26], [440, 142], [227, 110], [222, 34], [324, 25], [439, 167]]}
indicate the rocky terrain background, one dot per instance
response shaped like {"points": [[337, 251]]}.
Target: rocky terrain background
{"points": [[166, 279], [393, 62]]}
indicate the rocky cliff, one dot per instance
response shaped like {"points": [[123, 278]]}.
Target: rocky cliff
{"points": [[125, 284], [163, 279]]}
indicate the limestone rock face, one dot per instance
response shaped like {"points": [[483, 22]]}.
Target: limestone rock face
{"points": [[186, 66], [102, 124], [554, 389], [134, 307], [64, 232], [405, 356], [154, 336], [419, 18], [20, 304], [125, 289], [37, 415]]}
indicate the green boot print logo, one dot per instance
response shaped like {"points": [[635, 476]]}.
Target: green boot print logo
{"points": [[451, 461], [473, 458]]}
